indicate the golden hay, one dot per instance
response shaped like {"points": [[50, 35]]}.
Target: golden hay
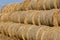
{"points": [[51, 34], [20, 31], [49, 17], [42, 4], [29, 32], [12, 7], [31, 5], [4, 37]]}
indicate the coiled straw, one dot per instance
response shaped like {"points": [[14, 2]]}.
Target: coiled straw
{"points": [[26, 32], [35, 17]]}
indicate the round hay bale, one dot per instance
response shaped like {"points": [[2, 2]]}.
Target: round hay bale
{"points": [[5, 17], [5, 27], [40, 31], [28, 18], [10, 29], [12, 7], [42, 4], [44, 17], [31, 33], [19, 32], [24, 31], [1, 27], [4, 37], [52, 34], [15, 17]]}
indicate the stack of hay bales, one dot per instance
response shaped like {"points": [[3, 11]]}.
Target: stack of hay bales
{"points": [[42, 17], [30, 20]]}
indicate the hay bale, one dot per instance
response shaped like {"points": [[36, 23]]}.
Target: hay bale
{"points": [[40, 31], [12, 7], [15, 29], [1, 27], [11, 29], [4, 37], [31, 5], [6, 17], [24, 31], [18, 16], [52, 34], [29, 18], [0, 10], [37, 17], [20, 31], [0, 16], [31, 34], [5, 27], [42, 4]]}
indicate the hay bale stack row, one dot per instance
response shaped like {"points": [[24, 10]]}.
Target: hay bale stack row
{"points": [[42, 4], [12, 7], [47, 17], [18, 21], [31, 5], [15, 29], [52, 34], [29, 32]]}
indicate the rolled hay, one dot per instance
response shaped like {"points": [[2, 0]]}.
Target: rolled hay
{"points": [[1, 27], [33, 17], [58, 19], [6, 15], [12, 7], [25, 31], [40, 31], [5, 27], [0, 16], [19, 31], [19, 17], [42, 4], [11, 29], [14, 30], [29, 5], [52, 34], [4, 37], [0, 10], [31, 34], [29, 18]]}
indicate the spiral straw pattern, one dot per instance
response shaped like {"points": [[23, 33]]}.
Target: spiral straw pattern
{"points": [[30, 20], [29, 32], [31, 5], [49, 17]]}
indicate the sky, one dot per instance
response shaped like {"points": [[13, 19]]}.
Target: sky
{"points": [[4, 2]]}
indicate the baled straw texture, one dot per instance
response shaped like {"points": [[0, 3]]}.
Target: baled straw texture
{"points": [[12, 7], [35, 33], [21, 31], [29, 32], [51, 34], [4, 37], [44, 17], [31, 5], [42, 4], [0, 10]]}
